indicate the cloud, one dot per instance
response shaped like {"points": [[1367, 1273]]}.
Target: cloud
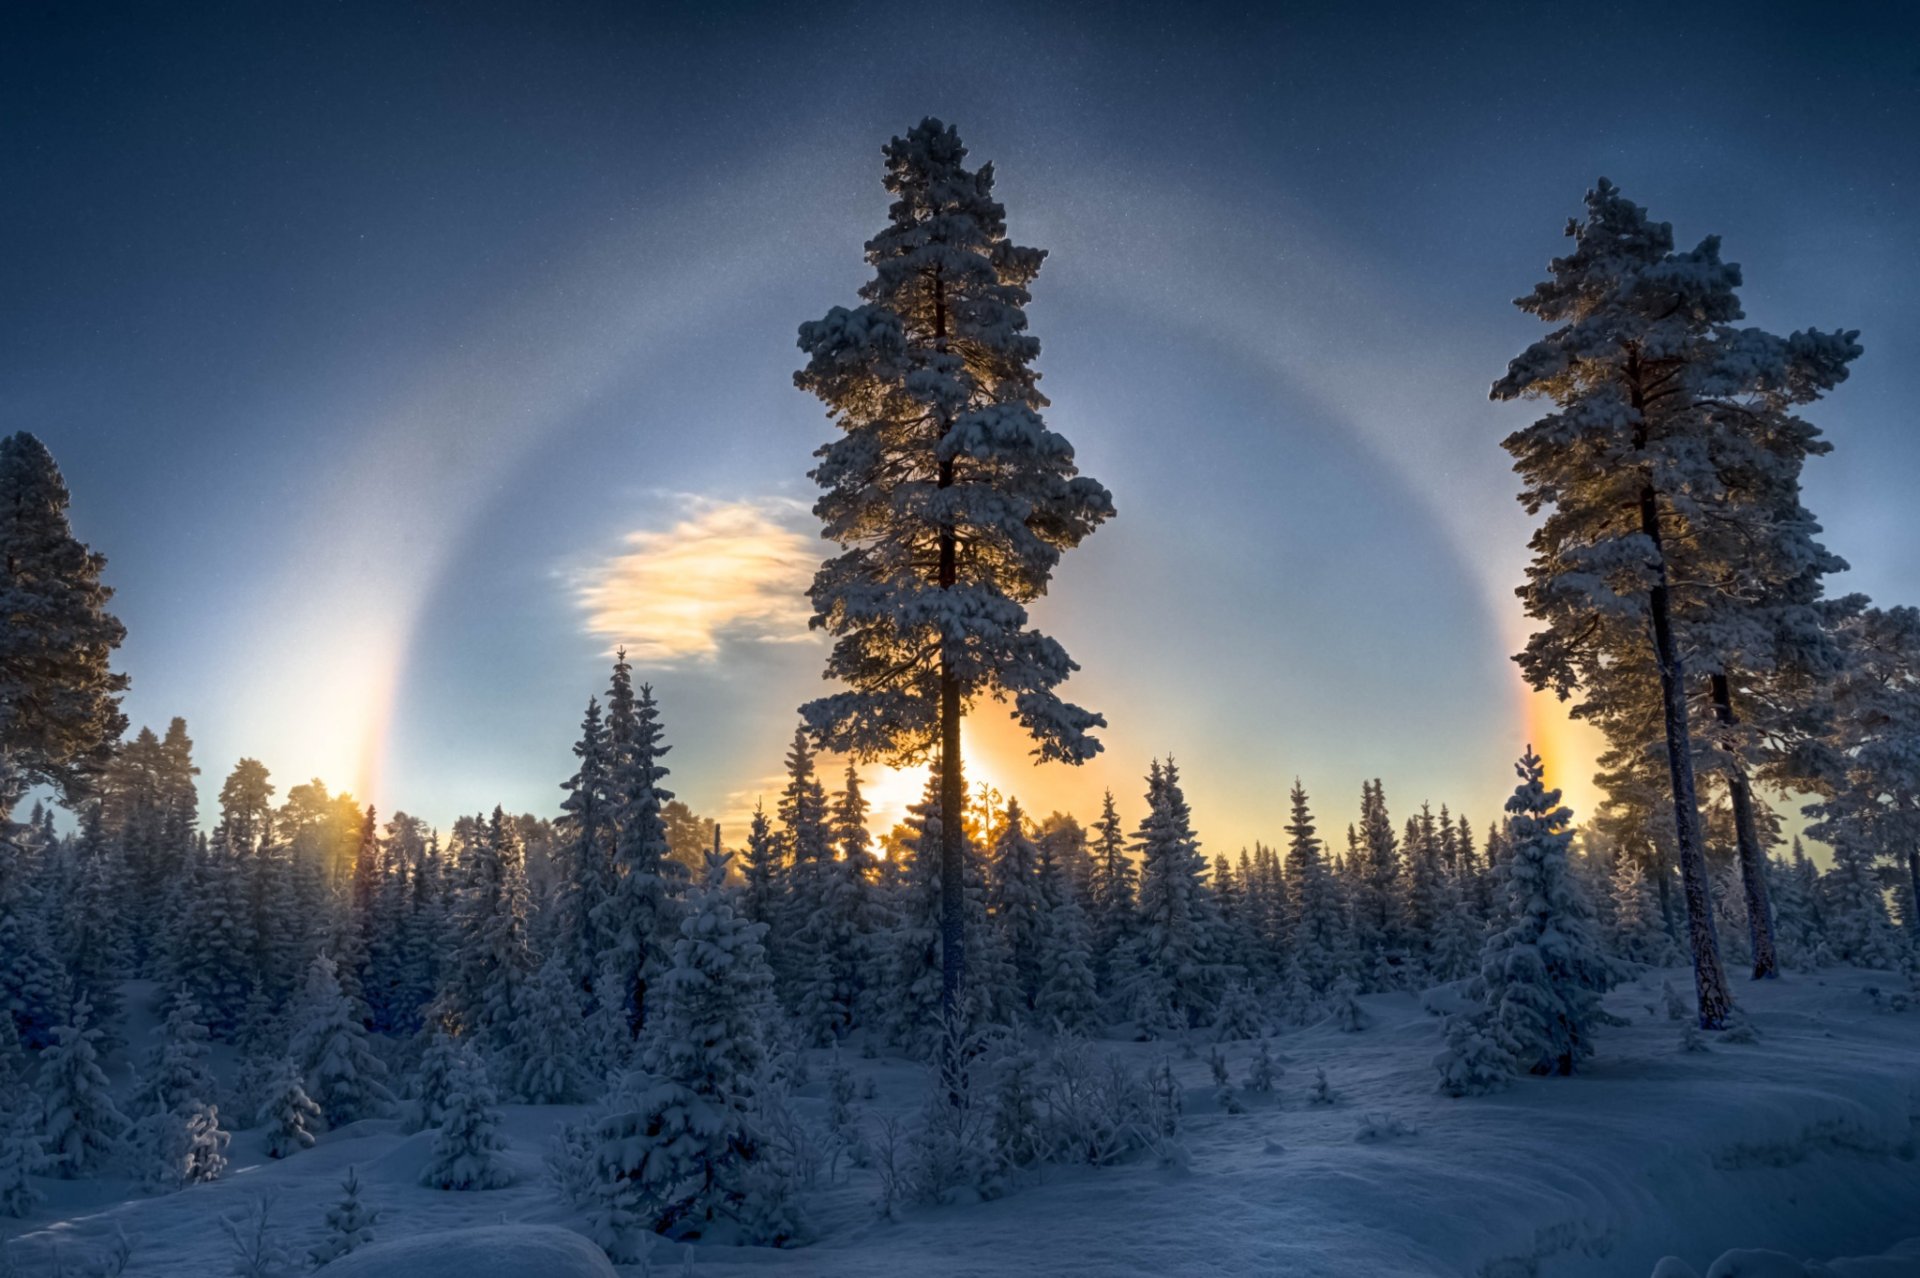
{"points": [[726, 572]]}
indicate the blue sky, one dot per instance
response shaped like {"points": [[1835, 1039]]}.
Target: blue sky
{"points": [[371, 337]]}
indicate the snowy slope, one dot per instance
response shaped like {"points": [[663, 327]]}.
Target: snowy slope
{"points": [[1803, 1142]]}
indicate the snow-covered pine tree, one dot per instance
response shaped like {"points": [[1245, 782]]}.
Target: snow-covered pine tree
{"points": [[338, 1068], [1168, 971], [1637, 936], [92, 930], [909, 995], [80, 1126], [1017, 907], [466, 1149], [59, 700], [641, 913], [349, 1224], [837, 939], [1854, 903], [432, 1080], [548, 1032], [291, 1118], [685, 1154], [1868, 776], [1111, 896], [764, 873], [952, 498], [1379, 898], [587, 828], [180, 1129], [1650, 381], [495, 964], [1542, 976], [21, 1159], [1316, 941], [1068, 996]]}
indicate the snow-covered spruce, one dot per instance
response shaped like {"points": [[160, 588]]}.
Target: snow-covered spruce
{"points": [[341, 1073], [1542, 976], [686, 1157], [468, 1144], [349, 1224], [291, 1118], [81, 1127]]}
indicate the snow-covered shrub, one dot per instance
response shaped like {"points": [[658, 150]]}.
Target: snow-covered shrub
{"points": [[1474, 1063], [1322, 1093], [1677, 1009], [1096, 1112], [349, 1224], [1343, 1004], [253, 1243], [1223, 1093], [846, 1134], [1381, 1127], [1239, 1016], [1263, 1070]]}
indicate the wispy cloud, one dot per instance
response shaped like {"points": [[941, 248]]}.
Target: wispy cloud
{"points": [[733, 571]]}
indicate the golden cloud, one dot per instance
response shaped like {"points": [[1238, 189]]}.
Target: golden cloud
{"points": [[726, 572]]}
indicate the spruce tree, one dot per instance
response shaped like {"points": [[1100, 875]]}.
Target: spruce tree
{"points": [[1016, 905], [291, 1118], [548, 1031], [1866, 771], [1542, 976], [951, 497], [349, 1224], [467, 1147], [1653, 389], [587, 825], [1111, 889], [686, 1155], [640, 914], [80, 1127], [21, 1159], [1318, 955], [339, 1070], [1169, 970]]}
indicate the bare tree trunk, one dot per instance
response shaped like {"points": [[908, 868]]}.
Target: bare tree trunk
{"points": [[1913, 882], [1709, 978], [1753, 862], [953, 788]]}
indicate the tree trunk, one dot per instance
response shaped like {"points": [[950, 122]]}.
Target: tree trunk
{"points": [[953, 789], [1913, 882], [1753, 862], [1709, 978]]}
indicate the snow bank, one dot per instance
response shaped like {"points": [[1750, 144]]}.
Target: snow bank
{"points": [[489, 1251]]}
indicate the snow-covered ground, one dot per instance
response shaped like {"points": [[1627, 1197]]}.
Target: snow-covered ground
{"points": [[1803, 1142]]}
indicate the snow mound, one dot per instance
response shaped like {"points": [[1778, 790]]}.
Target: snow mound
{"points": [[492, 1251]]}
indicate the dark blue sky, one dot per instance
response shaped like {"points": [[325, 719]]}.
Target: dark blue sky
{"points": [[368, 334]]}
